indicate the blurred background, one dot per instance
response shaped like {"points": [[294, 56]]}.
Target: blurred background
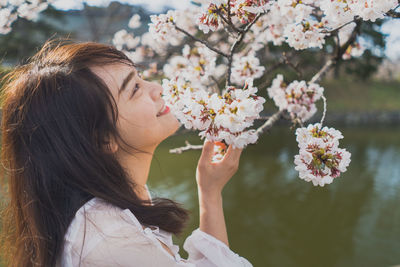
{"points": [[274, 218]]}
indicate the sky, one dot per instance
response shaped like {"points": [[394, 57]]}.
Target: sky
{"points": [[153, 5], [391, 28]]}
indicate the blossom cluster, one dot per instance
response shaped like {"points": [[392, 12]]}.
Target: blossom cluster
{"points": [[295, 21], [195, 64], [10, 10], [320, 160], [193, 73], [223, 117], [340, 11], [162, 28], [244, 11], [245, 67], [219, 151], [298, 98]]}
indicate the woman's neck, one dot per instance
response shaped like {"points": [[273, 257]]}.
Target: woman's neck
{"points": [[138, 168]]}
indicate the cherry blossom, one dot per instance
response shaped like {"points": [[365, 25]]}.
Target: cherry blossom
{"points": [[162, 28], [337, 12], [134, 22], [196, 70], [297, 98], [245, 67], [305, 35], [11, 10], [246, 10], [195, 64], [320, 160], [372, 9], [209, 18], [123, 38], [219, 151], [223, 117], [295, 10]]}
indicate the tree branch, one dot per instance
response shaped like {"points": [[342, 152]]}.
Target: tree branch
{"points": [[290, 64], [229, 22], [235, 45], [201, 41], [337, 56], [338, 28], [393, 14]]}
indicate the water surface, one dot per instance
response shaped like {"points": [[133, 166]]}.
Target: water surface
{"points": [[276, 219]]}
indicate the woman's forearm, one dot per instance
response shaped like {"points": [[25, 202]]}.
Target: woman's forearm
{"points": [[212, 219]]}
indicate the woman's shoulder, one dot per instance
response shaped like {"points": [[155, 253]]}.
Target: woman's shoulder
{"points": [[97, 217], [96, 222]]}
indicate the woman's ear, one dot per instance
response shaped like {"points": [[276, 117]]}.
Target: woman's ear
{"points": [[111, 145]]}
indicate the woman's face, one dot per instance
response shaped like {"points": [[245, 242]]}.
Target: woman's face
{"points": [[140, 123]]}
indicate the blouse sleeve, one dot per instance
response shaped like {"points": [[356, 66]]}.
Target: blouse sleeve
{"points": [[207, 251], [128, 246]]}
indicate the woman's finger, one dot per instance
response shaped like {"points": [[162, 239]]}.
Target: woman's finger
{"points": [[207, 151], [232, 154]]}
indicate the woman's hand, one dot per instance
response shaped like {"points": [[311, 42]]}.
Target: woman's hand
{"points": [[211, 177]]}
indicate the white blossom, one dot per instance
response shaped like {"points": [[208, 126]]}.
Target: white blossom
{"points": [[223, 117], [298, 98], [246, 10], [371, 9], [196, 64], [163, 30], [244, 67], [134, 22], [305, 35], [123, 38], [320, 160], [209, 18]]}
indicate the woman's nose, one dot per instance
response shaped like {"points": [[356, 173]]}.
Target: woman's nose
{"points": [[156, 92]]}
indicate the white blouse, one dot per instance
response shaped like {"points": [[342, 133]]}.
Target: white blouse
{"points": [[115, 237]]}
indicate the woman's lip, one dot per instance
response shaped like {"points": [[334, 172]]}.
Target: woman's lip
{"points": [[166, 110]]}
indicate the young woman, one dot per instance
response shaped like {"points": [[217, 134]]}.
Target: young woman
{"points": [[79, 128]]}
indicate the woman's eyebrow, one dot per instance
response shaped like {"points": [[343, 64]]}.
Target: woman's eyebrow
{"points": [[126, 81]]}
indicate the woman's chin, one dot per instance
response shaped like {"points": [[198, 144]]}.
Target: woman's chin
{"points": [[177, 125], [173, 125]]}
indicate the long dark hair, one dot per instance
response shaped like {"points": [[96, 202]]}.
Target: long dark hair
{"points": [[57, 115]]}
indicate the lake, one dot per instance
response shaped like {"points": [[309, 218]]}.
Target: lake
{"points": [[276, 219]]}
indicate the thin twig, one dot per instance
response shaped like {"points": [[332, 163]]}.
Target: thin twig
{"points": [[324, 113], [201, 41], [263, 118], [393, 14], [229, 22], [269, 123], [188, 146], [290, 64], [338, 28], [322, 71]]}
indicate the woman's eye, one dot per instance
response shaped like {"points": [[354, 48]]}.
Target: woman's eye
{"points": [[134, 90]]}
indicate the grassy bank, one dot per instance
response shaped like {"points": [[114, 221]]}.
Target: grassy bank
{"points": [[356, 96]]}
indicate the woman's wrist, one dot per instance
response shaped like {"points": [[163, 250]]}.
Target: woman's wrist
{"points": [[210, 195], [210, 201], [212, 219]]}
